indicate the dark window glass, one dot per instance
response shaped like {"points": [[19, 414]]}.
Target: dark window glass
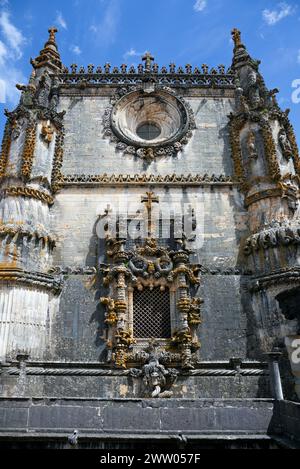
{"points": [[148, 131], [151, 313]]}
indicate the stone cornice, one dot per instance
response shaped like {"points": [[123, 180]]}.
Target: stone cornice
{"points": [[285, 276], [33, 279]]}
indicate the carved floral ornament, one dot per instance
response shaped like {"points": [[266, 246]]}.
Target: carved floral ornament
{"points": [[148, 122], [150, 266]]}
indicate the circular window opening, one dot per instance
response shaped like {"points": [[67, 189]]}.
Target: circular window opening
{"points": [[148, 131]]}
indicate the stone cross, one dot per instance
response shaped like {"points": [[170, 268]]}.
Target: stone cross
{"points": [[52, 31], [149, 199], [236, 36], [148, 59]]}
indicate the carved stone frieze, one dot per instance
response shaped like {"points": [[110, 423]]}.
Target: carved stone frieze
{"points": [[32, 279], [15, 230], [25, 191], [123, 179], [277, 234]]}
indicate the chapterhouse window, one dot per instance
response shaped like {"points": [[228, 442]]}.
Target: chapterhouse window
{"points": [[150, 279], [151, 313]]}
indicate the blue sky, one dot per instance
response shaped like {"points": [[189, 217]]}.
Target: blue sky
{"points": [[183, 31]]}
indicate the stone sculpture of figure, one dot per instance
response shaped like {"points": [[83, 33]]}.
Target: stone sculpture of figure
{"points": [[43, 90], [251, 146], [54, 94], [17, 128], [285, 144], [253, 89], [138, 266], [163, 266], [154, 374]]}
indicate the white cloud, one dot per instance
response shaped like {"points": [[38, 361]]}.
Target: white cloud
{"points": [[3, 52], [12, 35], [272, 17], [11, 50], [106, 29], [75, 49], [200, 5], [60, 20], [2, 91], [132, 53]]}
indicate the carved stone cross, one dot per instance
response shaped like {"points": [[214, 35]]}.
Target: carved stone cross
{"points": [[52, 31], [148, 200], [148, 59], [236, 36]]}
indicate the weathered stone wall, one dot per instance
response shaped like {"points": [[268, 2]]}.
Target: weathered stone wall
{"points": [[223, 332], [87, 151]]}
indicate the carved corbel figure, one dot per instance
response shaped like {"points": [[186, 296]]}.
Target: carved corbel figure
{"points": [[155, 376]]}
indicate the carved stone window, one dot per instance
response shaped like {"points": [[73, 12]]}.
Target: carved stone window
{"points": [[150, 293], [151, 313], [149, 124]]}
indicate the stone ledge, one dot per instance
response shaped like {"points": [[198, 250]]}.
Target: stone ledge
{"points": [[137, 416]]}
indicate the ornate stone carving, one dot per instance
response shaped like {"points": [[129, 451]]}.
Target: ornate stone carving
{"points": [[251, 146], [21, 191], [14, 230], [149, 266], [155, 376], [278, 234], [32, 279], [172, 115], [5, 147], [172, 76], [28, 151], [43, 90], [47, 133], [57, 161], [285, 144], [124, 179]]}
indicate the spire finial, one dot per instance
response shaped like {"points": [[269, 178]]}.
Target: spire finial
{"points": [[236, 36], [49, 55], [52, 31]]}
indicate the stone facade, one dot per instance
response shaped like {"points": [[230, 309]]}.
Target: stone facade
{"points": [[226, 155]]}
